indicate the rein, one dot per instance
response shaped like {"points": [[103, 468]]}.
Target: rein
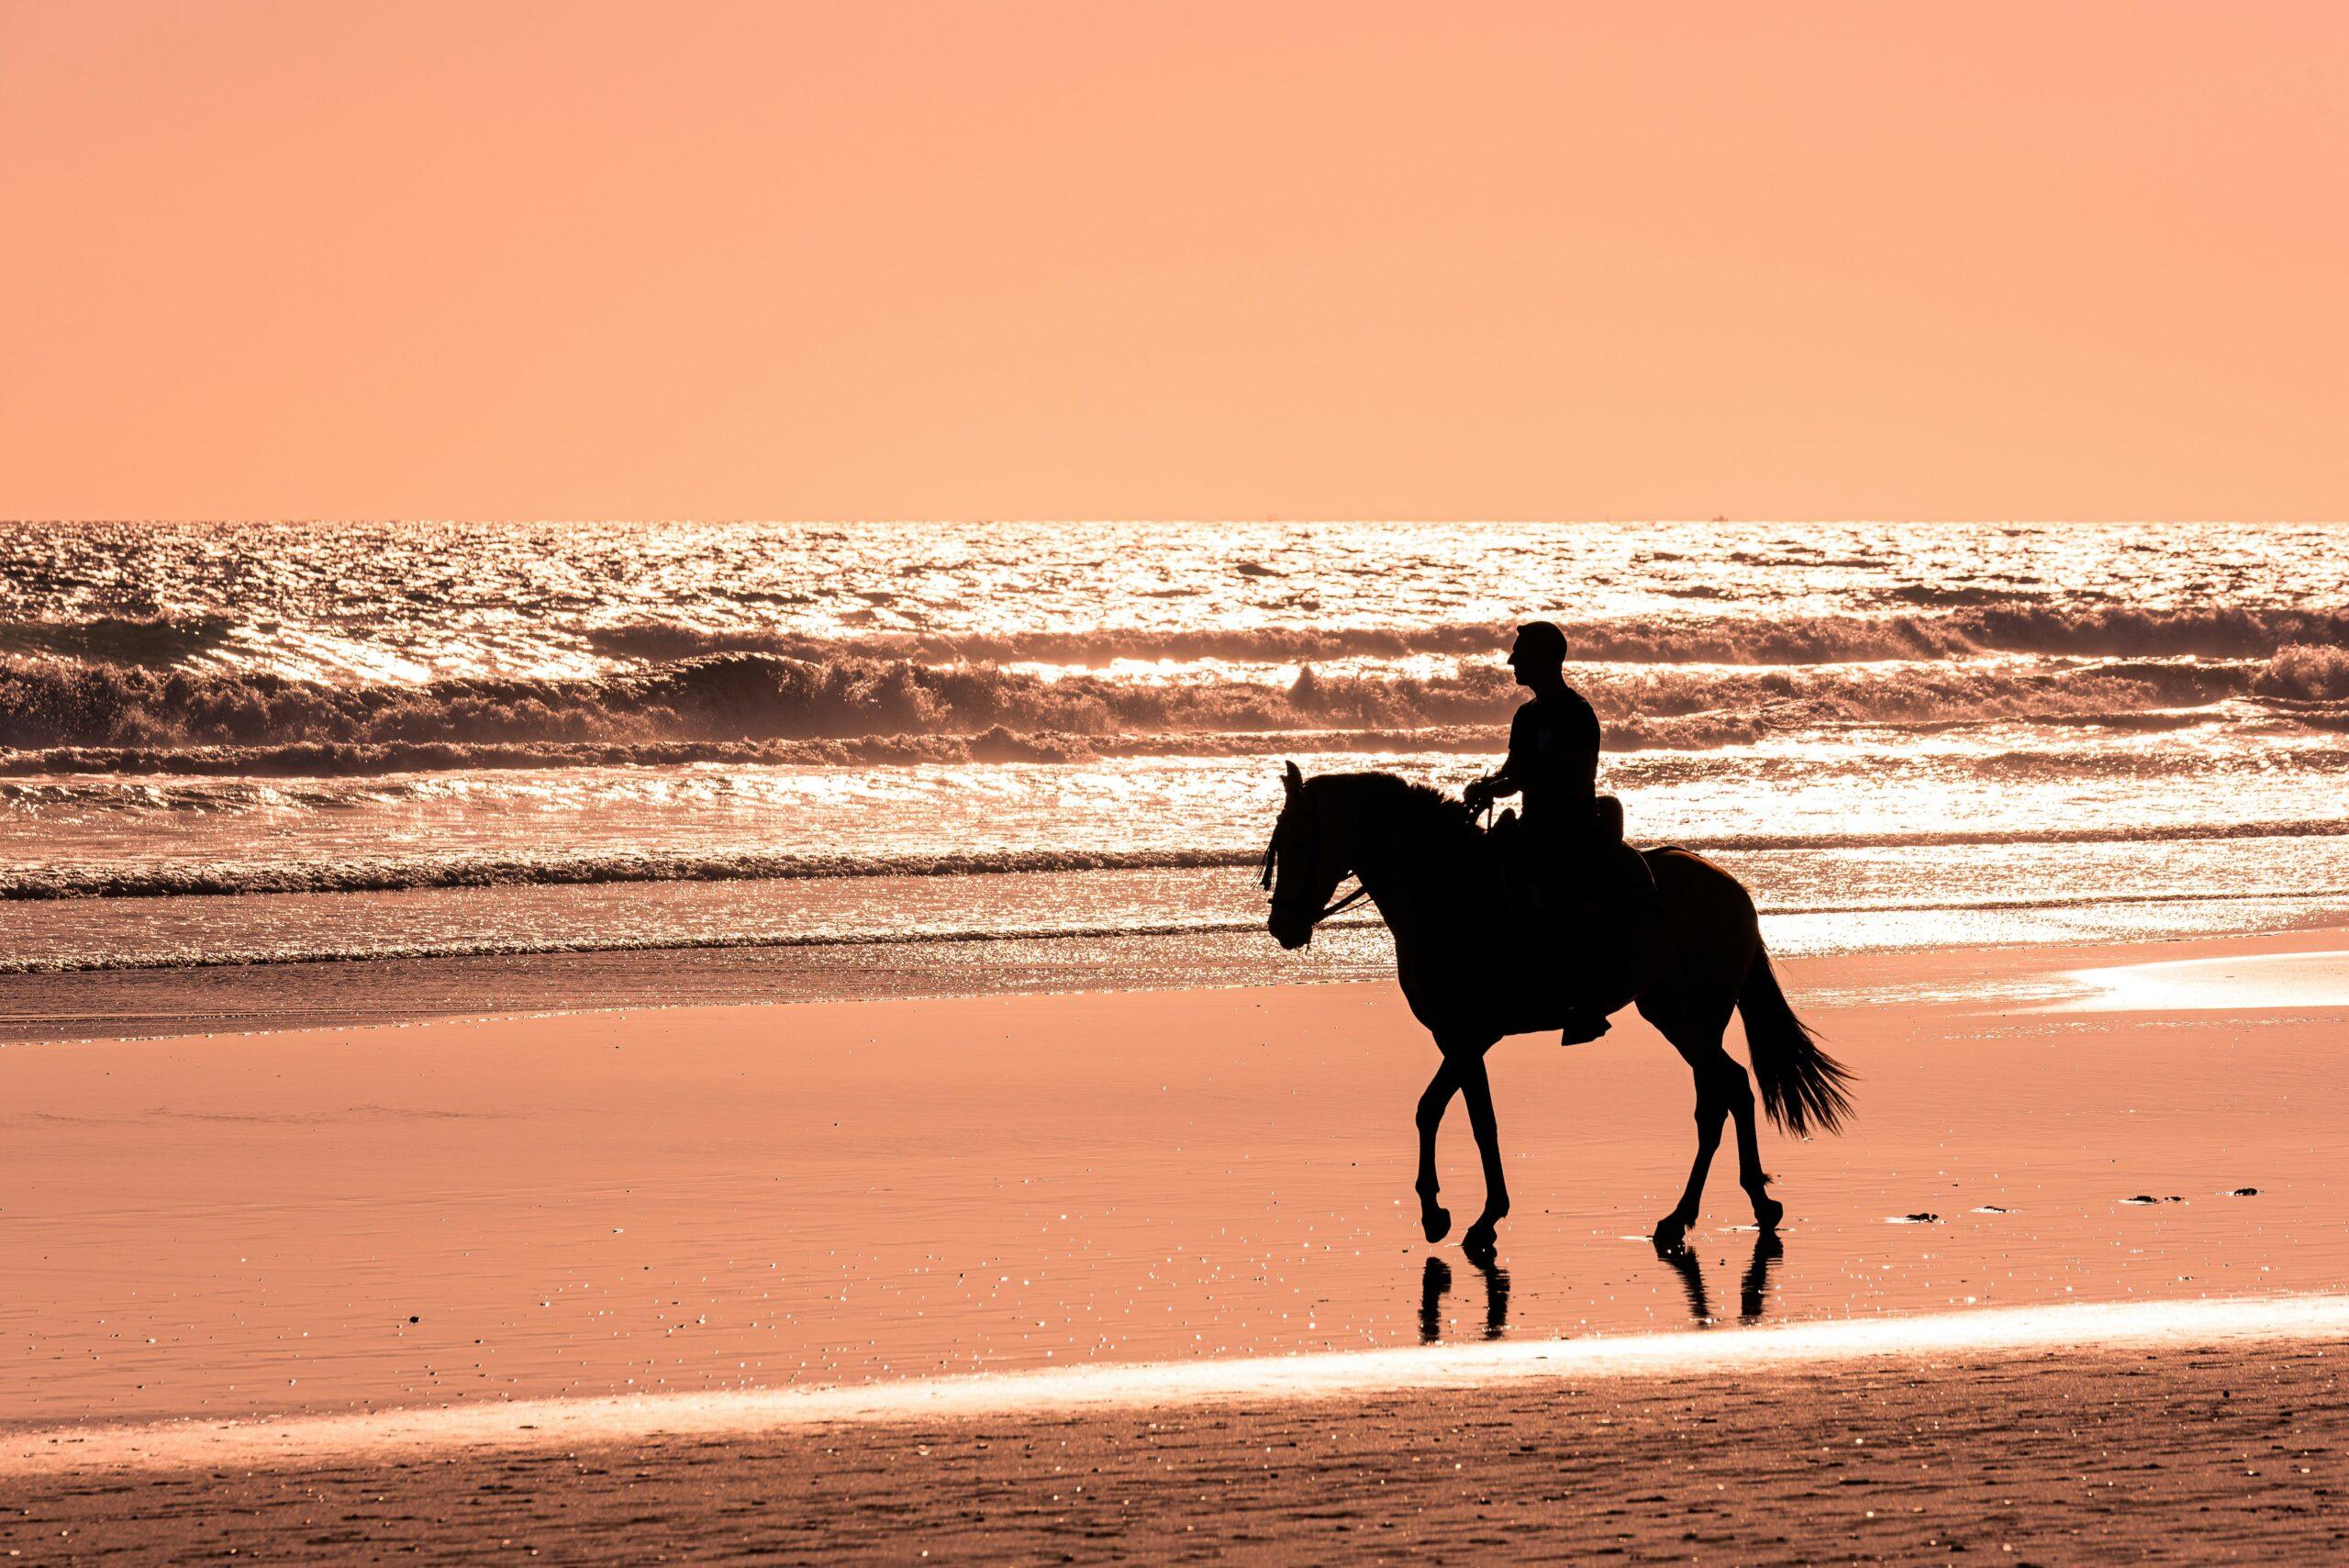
{"points": [[1334, 905]]}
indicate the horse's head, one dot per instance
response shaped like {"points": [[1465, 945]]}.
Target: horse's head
{"points": [[1302, 864]]}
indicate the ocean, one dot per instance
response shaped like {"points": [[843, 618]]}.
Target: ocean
{"points": [[735, 760]]}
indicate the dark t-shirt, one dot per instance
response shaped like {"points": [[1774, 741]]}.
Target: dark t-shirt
{"points": [[1553, 752]]}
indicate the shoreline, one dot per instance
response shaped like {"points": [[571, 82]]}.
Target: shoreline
{"points": [[96, 1006], [1919, 1342]]}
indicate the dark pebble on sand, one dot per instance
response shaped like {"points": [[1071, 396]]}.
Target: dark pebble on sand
{"points": [[1921, 1217], [415, 1320], [2245, 1192]]}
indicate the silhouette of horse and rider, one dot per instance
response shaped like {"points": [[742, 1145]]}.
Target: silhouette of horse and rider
{"points": [[1549, 921]]}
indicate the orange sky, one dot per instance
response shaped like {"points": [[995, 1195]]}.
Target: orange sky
{"points": [[1140, 260]]}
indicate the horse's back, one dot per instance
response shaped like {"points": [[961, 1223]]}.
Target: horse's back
{"points": [[1710, 927], [1681, 874]]}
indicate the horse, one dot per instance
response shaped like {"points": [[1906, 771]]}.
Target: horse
{"points": [[1421, 859]]}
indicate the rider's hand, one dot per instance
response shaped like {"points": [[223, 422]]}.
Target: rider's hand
{"points": [[1477, 796]]}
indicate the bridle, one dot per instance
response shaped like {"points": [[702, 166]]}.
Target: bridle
{"points": [[1265, 881]]}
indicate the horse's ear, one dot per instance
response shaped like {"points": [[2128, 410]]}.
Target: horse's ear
{"points": [[1294, 780]]}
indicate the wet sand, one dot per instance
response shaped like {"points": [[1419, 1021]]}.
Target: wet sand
{"points": [[2184, 1454], [705, 1198], [701, 1200]]}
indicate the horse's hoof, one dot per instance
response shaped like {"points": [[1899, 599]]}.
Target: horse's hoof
{"points": [[1436, 1220], [1768, 1212], [1480, 1244], [1671, 1234]]}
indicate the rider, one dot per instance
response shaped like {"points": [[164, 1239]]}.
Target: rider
{"points": [[1552, 744], [1554, 764]]}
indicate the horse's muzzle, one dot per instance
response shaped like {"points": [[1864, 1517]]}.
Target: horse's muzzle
{"points": [[1289, 932]]}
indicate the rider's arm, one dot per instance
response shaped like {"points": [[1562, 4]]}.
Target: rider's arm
{"points": [[1503, 780]]}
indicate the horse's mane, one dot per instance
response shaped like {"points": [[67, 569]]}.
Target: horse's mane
{"points": [[1415, 808]]}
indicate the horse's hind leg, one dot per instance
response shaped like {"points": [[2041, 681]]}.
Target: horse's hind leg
{"points": [[1767, 1210], [1434, 1219], [1695, 1029], [1711, 1113]]}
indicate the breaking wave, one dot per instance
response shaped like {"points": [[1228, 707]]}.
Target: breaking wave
{"points": [[359, 758], [2306, 674], [121, 718], [159, 640], [2008, 626]]}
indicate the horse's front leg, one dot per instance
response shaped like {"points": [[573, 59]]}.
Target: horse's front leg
{"points": [[1479, 1242], [1434, 1219]]}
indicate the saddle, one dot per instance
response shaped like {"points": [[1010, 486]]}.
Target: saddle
{"points": [[1576, 911]]}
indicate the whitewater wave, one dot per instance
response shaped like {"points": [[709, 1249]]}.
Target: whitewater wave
{"points": [[2305, 673], [229, 879], [1979, 628], [358, 758], [874, 710], [1918, 623], [330, 759]]}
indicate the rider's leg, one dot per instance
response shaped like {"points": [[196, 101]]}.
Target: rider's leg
{"points": [[1572, 870], [1582, 1019]]}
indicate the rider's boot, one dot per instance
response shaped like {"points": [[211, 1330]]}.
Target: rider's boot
{"points": [[1583, 1024]]}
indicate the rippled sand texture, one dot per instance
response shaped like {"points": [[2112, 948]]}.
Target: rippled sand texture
{"points": [[422, 740], [2200, 1453], [704, 1199]]}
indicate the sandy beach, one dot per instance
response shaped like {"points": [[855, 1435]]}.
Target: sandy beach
{"points": [[2195, 1454], [720, 1202]]}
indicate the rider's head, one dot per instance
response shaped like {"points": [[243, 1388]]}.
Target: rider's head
{"points": [[1539, 653]]}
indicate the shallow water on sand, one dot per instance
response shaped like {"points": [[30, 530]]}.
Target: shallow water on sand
{"points": [[811, 1195], [2234, 985]]}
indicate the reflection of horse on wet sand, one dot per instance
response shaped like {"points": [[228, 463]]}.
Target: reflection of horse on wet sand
{"points": [[1753, 1287], [1416, 853], [1435, 1284]]}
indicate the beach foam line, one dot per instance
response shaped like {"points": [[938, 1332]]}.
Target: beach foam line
{"points": [[1155, 1386], [2237, 983], [246, 957]]}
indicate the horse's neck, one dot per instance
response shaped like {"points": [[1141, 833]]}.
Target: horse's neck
{"points": [[1403, 876]]}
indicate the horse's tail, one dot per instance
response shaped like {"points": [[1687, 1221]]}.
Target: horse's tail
{"points": [[1802, 1087]]}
